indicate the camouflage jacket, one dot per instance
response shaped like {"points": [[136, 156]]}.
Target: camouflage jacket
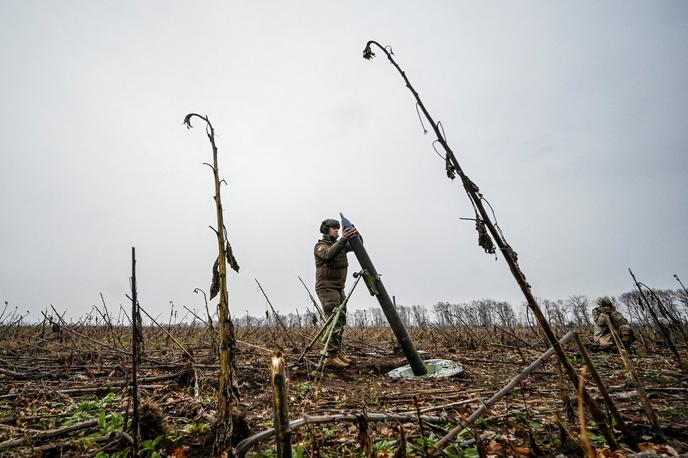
{"points": [[331, 263], [601, 329]]}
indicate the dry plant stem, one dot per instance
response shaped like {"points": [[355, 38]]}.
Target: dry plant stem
{"points": [[536, 450], [639, 387], [564, 395], [72, 331], [508, 254], [445, 406], [194, 314], [108, 325], [4, 309], [365, 442], [280, 404], [109, 321], [675, 276], [169, 336], [245, 445], [620, 423], [228, 391], [285, 333], [136, 434], [442, 443], [8, 326], [146, 383], [315, 303], [510, 333], [634, 310], [207, 311], [84, 336], [420, 426], [169, 323], [662, 328], [217, 333], [667, 313], [12, 373], [474, 340], [143, 384], [126, 315], [13, 443], [585, 437], [41, 449]]}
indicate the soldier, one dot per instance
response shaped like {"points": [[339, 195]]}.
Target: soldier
{"points": [[330, 277], [602, 334]]}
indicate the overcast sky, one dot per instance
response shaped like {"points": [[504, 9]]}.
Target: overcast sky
{"points": [[571, 116]]}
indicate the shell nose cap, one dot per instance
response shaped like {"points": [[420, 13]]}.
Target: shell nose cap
{"points": [[345, 222]]}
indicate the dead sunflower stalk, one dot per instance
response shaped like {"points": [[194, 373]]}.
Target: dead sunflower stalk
{"points": [[476, 198], [228, 392]]}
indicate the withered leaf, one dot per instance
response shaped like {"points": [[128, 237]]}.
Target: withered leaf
{"points": [[231, 260], [368, 53], [215, 282], [484, 239], [512, 252], [449, 167]]}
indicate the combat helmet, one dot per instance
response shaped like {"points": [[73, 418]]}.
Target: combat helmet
{"points": [[605, 302], [327, 224]]}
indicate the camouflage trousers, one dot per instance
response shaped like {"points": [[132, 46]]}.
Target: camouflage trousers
{"points": [[625, 335], [330, 299]]}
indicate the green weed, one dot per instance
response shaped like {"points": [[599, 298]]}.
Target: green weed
{"points": [[88, 409]]}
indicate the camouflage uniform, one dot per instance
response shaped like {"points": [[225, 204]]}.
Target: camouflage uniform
{"points": [[330, 277], [602, 334]]}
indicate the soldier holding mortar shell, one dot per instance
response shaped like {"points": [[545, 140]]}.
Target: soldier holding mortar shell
{"points": [[331, 266]]}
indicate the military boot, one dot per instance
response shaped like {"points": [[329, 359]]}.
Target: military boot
{"points": [[345, 358], [335, 361]]}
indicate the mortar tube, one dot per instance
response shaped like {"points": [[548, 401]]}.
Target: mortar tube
{"points": [[378, 290]]}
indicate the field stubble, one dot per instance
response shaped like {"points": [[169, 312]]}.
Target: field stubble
{"points": [[65, 392]]}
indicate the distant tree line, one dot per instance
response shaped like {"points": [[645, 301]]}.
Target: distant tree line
{"points": [[573, 311]]}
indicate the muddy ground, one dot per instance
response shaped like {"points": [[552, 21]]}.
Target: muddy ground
{"points": [[63, 392]]}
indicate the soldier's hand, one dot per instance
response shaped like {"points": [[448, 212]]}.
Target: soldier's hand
{"points": [[349, 232]]}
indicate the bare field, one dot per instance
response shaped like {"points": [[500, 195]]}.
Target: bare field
{"points": [[64, 391]]}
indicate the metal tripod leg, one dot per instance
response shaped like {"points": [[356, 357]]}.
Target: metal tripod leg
{"points": [[310, 344], [330, 330]]}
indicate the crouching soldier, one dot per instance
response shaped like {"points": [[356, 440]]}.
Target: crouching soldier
{"points": [[330, 277], [602, 334]]}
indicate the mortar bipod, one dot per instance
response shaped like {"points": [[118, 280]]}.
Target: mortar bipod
{"points": [[328, 326]]}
